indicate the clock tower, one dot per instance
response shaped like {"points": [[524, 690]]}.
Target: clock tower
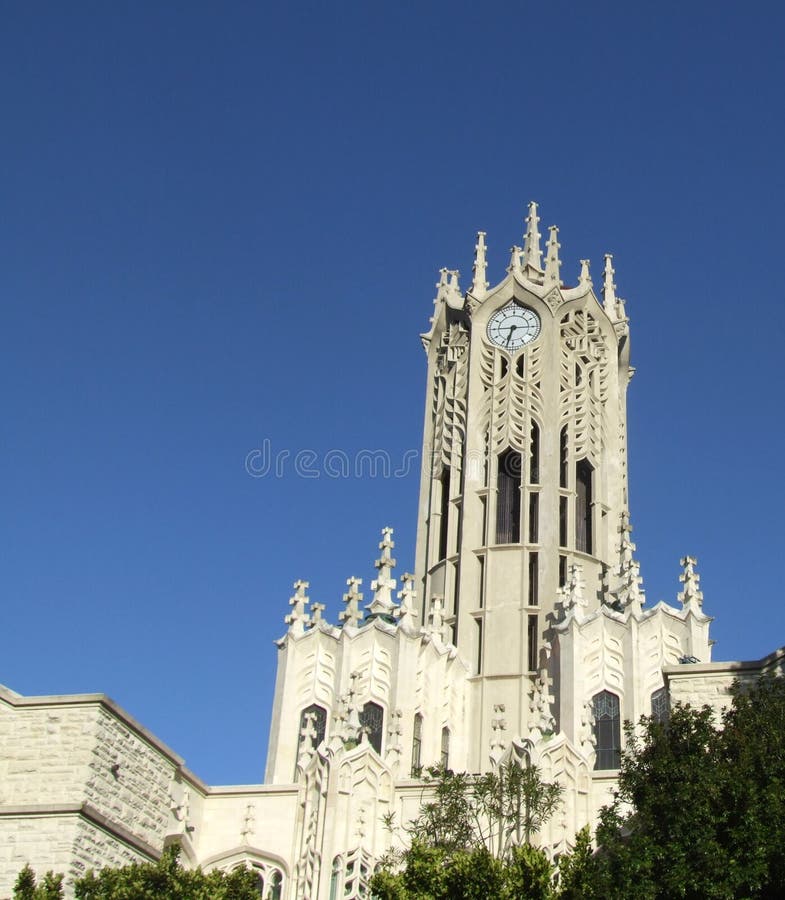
{"points": [[523, 514]]}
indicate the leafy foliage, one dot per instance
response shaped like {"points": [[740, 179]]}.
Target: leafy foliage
{"points": [[700, 812], [465, 842], [166, 880], [578, 870], [26, 888], [494, 811]]}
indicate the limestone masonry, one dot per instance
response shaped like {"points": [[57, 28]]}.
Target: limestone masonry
{"points": [[523, 634]]}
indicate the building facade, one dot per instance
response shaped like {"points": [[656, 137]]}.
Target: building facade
{"points": [[522, 634]]}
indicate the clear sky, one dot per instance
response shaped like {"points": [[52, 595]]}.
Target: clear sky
{"points": [[221, 225]]}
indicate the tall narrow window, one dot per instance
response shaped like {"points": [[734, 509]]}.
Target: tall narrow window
{"points": [[534, 517], [533, 649], [276, 886], [335, 878], [445, 754], [563, 457], [479, 645], [534, 455], [372, 719], [417, 745], [607, 730], [444, 482], [562, 521], [562, 570], [508, 498], [534, 565], [660, 707], [583, 506], [481, 590]]}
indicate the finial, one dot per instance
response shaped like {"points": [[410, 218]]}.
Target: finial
{"points": [[584, 279], [608, 287], [351, 615], [308, 736], [532, 254], [298, 618], [316, 614], [540, 716], [406, 613], [573, 591], [515, 261], [383, 585], [498, 726], [552, 262], [691, 581], [630, 592], [479, 283], [436, 624], [353, 721]]}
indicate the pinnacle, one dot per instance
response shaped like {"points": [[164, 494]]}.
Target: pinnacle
{"points": [[479, 282], [532, 253]]}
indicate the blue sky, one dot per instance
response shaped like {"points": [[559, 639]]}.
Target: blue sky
{"points": [[222, 224]]}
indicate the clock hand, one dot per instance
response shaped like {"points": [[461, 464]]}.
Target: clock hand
{"points": [[509, 336]]}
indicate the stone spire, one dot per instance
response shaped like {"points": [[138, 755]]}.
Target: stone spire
{"points": [[383, 585], [515, 261], [532, 254], [479, 282], [316, 614], [629, 593], [406, 613], [352, 615], [298, 618], [692, 593], [584, 279], [609, 287], [552, 261]]}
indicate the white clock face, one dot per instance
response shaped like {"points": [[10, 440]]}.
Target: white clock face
{"points": [[513, 326]]}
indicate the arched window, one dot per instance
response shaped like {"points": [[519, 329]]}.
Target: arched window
{"points": [[335, 878], [607, 730], [660, 707], [319, 723], [372, 719], [276, 886], [417, 745], [445, 754], [508, 498]]}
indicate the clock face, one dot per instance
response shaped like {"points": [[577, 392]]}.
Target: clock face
{"points": [[513, 326]]}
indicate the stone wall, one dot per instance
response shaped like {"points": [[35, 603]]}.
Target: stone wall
{"points": [[81, 785]]}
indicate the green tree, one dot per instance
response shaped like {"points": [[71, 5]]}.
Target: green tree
{"points": [[25, 888], [494, 811], [166, 880], [700, 811], [577, 877], [465, 842]]}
